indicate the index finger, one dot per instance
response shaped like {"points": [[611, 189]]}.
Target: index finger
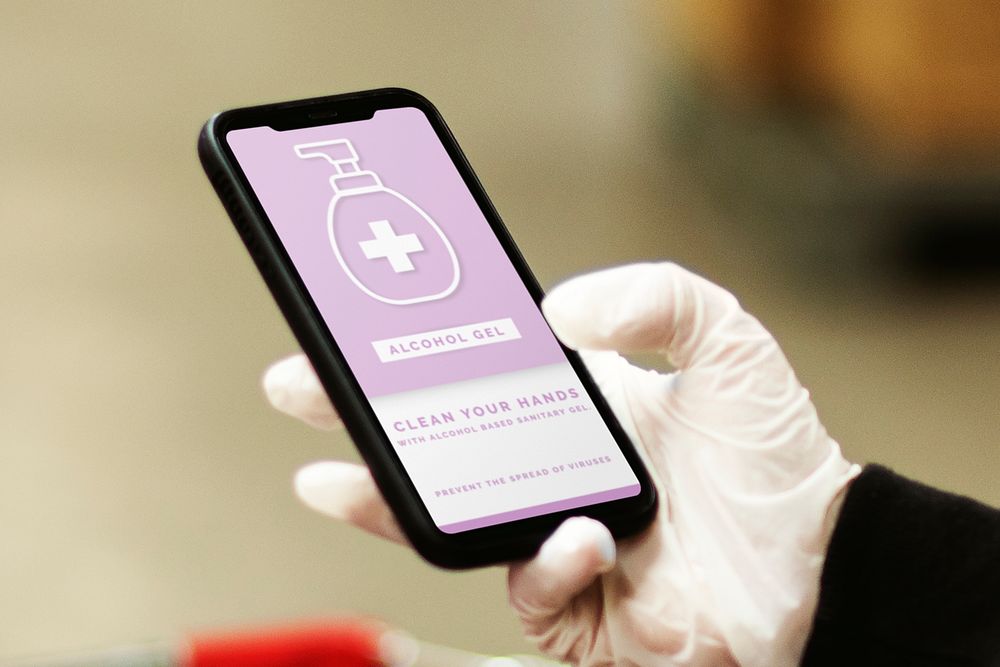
{"points": [[292, 387]]}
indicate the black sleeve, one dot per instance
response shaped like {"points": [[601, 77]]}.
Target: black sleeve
{"points": [[912, 577]]}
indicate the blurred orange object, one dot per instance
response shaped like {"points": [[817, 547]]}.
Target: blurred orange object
{"points": [[917, 78]]}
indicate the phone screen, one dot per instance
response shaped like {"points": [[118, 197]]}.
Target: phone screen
{"points": [[473, 391]]}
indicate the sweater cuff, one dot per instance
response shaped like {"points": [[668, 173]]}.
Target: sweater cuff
{"points": [[912, 576]]}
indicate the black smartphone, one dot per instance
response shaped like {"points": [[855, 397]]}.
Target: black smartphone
{"points": [[421, 319]]}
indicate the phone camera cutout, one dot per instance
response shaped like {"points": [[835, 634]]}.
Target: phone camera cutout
{"points": [[317, 115]]}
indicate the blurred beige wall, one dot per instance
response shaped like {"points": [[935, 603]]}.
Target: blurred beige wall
{"points": [[144, 485]]}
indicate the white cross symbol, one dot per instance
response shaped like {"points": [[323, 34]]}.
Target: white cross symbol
{"points": [[386, 244]]}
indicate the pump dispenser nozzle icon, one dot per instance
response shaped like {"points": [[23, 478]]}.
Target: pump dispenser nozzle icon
{"points": [[387, 245]]}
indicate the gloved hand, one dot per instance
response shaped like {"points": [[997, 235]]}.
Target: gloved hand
{"points": [[750, 484]]}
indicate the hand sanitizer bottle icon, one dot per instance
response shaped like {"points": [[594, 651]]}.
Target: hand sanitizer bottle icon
{"points": [[387, 245]]}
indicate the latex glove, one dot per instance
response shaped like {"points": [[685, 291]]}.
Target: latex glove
{"points": [[750, 484]]}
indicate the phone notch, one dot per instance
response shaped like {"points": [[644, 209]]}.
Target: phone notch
{"points": [[296, 118]]}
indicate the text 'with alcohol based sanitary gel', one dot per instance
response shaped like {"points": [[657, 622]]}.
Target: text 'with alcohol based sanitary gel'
{"points": [[474, 392]]}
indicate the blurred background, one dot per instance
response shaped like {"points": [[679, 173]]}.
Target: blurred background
{"points": [[836, 165]]}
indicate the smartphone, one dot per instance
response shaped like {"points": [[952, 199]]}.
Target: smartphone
{"points": [[422, 322]]}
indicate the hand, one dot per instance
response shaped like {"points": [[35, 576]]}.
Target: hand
{"points": [[750, 484]]}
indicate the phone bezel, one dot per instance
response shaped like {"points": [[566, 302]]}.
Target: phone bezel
{"points": [[481, 546]]}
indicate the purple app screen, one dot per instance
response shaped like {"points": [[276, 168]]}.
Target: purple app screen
{"points": [[482, 407]]}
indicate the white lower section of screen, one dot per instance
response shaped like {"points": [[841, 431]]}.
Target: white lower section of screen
{"points": [[505, 447]]}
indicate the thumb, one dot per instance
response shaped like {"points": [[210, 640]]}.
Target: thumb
{"points": [[661, 307]]}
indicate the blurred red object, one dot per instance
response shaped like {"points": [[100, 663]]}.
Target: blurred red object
{"points": [[340, 644]]}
